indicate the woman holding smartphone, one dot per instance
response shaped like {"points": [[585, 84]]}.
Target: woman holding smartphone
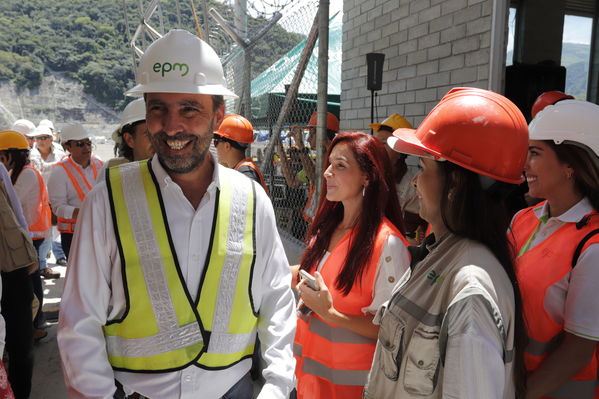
{"points": [[451, 330], [356, 253]]}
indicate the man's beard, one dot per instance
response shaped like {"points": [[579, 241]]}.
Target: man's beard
{"points": [[183, 163]]}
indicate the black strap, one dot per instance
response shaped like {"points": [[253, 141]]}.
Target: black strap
{"points": [[581, 245]]}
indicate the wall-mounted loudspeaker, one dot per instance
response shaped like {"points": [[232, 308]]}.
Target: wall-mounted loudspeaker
{"points": [[375, 62]]}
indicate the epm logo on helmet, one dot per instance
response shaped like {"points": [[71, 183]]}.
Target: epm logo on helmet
{"points": [[167, 67]]}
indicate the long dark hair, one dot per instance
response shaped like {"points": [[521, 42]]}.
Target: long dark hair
{"points": [[20, 159], [586, 175], [380, 200], [470, 211]]}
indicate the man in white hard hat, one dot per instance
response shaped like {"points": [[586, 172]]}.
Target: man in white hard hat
{"points": [[177, 264], [71, 179], [25, 127]]}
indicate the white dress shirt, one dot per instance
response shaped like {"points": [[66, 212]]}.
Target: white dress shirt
{"points": [[45, 165], [94, 294], [63, 196]]}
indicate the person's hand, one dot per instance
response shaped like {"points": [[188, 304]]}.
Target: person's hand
{"points": [[321, 302], [298, 137], [280, 151]]}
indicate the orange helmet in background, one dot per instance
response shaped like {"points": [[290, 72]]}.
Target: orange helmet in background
{"points": [[237, 128], [548, 98], [479, 130], [332, 121]]}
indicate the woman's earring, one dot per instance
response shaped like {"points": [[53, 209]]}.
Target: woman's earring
{"points": [[569, 175], [363, 191]]}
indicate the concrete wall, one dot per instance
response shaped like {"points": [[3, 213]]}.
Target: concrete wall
{"points": [[430, 46]]}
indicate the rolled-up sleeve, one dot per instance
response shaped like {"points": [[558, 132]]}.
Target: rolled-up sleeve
{"points": [[86, 303], [277, 319]]}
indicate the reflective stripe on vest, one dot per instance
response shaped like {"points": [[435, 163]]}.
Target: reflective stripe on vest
{"points": [[250, 163], [162, 328], [81, 185], [42, 209], [537, 269], [332, 358]]}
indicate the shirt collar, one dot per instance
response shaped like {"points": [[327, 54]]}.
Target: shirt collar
{"points": [[572, 215], [164, 179]]}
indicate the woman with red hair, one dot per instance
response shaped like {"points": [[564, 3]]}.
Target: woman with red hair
{"points": [[357, 254]]}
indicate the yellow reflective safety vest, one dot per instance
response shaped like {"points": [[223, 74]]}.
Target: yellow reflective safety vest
{"points": [[163, 329]]}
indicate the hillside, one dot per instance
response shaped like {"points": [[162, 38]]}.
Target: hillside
{"points": [[87, 41]]}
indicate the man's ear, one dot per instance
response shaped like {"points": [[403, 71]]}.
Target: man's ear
{"points": [[219, 114], [128, 139]]}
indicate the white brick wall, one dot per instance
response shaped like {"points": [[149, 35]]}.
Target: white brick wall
{"points": [[430, 46]]}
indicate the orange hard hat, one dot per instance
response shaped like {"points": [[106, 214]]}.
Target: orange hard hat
{"points": [[477, 129], [332, 121], [237, 128], [548, 98]]}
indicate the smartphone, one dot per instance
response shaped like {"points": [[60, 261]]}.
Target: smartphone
{"points": [[310, 280]]}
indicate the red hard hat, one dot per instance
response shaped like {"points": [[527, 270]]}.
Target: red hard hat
{"points": [[548, 98], [332, 121], [477, 129], [237, 128]]}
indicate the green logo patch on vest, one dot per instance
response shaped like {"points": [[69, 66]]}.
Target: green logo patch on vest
{"points": [[434, 277]]}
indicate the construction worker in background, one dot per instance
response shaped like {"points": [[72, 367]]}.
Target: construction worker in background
{"points": [[25, 127], [308, 164], [548, 98], [176, 314], [231, 140], [453, 327], [557, 247], [403, 175], [131, 143], [71, 179], [46, 153]]}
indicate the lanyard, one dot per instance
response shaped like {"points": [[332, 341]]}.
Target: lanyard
{"points": [[542, 220]]}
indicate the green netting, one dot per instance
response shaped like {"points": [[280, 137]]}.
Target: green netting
{"points": [[274, 79]]}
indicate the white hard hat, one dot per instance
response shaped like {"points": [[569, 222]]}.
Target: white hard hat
{"points": [[135, 111], [180, 62], [570, 122], [23, 126], [74, 131], [41, 130], [46, 122]]}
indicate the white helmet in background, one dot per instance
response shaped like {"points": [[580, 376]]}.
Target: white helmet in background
{"points": [[135, 111], [74, 131], [570, 122], [23, 126], [41, 130], [46, 122], [180, 62]]}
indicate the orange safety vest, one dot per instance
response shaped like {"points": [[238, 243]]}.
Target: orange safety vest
{"points": [[537, 269], [333, 362], [81, 185], [249, 162], [42, 209]]}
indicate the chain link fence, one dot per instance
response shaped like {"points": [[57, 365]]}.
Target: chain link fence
{"points": [[288, 166]]}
